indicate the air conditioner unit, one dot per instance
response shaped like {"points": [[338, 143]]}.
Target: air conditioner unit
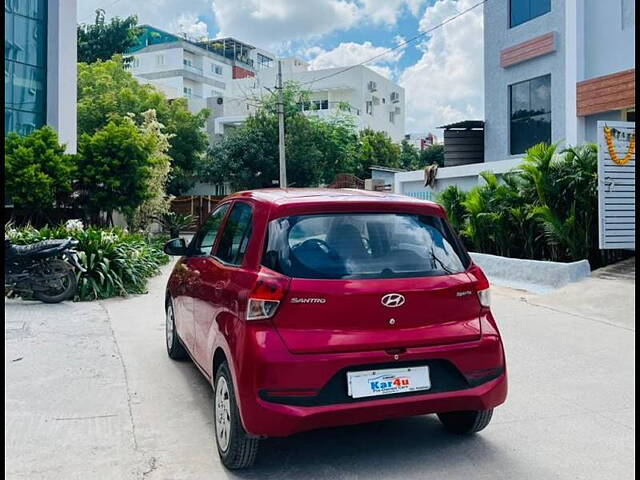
{"points": [[395, 97], [397, 110], [372, 86]]}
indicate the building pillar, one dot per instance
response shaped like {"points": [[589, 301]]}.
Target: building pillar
{"points": [[574, 59], [62, 70]]}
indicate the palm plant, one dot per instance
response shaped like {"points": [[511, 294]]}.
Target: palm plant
{"points": [[175, 222], [452, 199], [547, 208]]}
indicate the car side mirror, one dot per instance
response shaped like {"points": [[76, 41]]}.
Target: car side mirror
{"points": [[176, 246]]}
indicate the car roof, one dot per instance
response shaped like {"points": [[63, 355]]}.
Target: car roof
{"points": [[283, 196], [287, 201]]}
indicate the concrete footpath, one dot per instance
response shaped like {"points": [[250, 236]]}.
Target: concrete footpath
{"points": [[91, 394]]}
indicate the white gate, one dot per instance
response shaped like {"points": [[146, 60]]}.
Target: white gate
{"points": [[617, 184]]}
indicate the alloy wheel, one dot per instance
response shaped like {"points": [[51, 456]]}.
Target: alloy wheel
{"points": [[222, 414], [169, 326]]}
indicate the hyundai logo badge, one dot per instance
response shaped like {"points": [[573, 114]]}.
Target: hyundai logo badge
{"points": [[392, 300]]}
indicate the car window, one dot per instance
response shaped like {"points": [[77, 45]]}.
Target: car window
{"points": [[206, 237], [371, 245], [236, 234]]}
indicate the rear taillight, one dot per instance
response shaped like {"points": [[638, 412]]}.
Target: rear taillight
{"points": [[482, 286], [269, 290]]}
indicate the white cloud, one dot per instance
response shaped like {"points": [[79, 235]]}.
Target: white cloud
{"points": [[447, 82], [270, 24], [388, 11], [190, 25], [159, 13], [350, 53], [275, 23]]}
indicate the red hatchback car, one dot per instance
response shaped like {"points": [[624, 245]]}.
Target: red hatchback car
{"points": [[311, 308]]}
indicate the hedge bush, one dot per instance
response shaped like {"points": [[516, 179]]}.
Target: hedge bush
{"points": [[545, 209], [118, 263]]}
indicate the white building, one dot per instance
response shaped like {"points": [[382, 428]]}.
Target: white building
{"points": [[552, 70], [194, 69], [374, 101], [40, 68]]}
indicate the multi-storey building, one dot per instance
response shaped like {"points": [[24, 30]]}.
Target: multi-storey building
{"points": [[40, 67], [421, 141], [372, 100], [195, 69], [553, 68], [225, 75]]}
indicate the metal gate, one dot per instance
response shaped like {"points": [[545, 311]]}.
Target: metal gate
{"points": [[617, 184]]}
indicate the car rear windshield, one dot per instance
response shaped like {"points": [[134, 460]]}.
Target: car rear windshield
{"points": [[366, 245]]}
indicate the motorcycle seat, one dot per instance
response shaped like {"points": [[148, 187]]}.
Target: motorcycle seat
{"points": [[56, 244]]}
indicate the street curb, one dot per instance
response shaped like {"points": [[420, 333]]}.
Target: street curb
{"points": [[535, 276]]}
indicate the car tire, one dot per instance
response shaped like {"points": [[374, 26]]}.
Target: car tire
{"points": [[466, 422], [175, 349], [237, 450]]}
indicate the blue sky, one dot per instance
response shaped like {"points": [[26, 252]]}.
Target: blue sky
{"points": [[441, 74]]}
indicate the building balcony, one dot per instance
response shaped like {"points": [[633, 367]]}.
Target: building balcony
{"points": [[193, 68], [324, 106]]}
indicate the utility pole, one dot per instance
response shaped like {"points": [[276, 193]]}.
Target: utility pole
{"points": [[283, 164]]}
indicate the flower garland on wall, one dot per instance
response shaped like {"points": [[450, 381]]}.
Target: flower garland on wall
{"points": [[609, 133]]}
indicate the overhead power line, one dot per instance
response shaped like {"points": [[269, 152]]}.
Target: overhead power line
{"points": [[400, 45], [247, 97]]}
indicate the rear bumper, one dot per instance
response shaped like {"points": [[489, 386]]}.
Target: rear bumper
{"points": [[283, 420], [475, 379]]}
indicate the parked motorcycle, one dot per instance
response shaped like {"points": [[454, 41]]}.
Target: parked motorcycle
{"points": [[44, 270]]}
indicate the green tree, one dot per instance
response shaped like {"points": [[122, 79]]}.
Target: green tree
{"points": [[102, 40], [409, 156], [115, 166], [38, 172], [188, 143], [432, 155], [337, 141], [315, 149], [376, 148], [158, 202], [106, 90]]}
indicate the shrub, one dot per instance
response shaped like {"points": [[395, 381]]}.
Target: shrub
{"points": [[118, 263], [546, 209]]}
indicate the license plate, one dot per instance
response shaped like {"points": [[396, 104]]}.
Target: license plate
{"points": [[389, 381]]}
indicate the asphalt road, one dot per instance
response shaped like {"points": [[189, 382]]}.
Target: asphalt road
{"points": [[91, 394]]}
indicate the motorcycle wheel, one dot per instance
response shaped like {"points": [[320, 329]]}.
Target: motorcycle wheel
{"points": [[66, 290]]}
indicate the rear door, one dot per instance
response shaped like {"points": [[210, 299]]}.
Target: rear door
{"points": [[221, 280], [372, 281]]}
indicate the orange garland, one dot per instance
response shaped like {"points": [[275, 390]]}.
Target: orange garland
{"points": [[608, 136]]}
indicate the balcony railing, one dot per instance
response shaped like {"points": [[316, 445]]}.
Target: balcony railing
{"points": [[325, 105], [192, 68]]}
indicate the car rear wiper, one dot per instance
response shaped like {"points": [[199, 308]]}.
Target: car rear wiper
{"points": [[436, 259]]}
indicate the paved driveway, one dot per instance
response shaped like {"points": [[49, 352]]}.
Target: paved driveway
{"points": [[90, 393]]}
